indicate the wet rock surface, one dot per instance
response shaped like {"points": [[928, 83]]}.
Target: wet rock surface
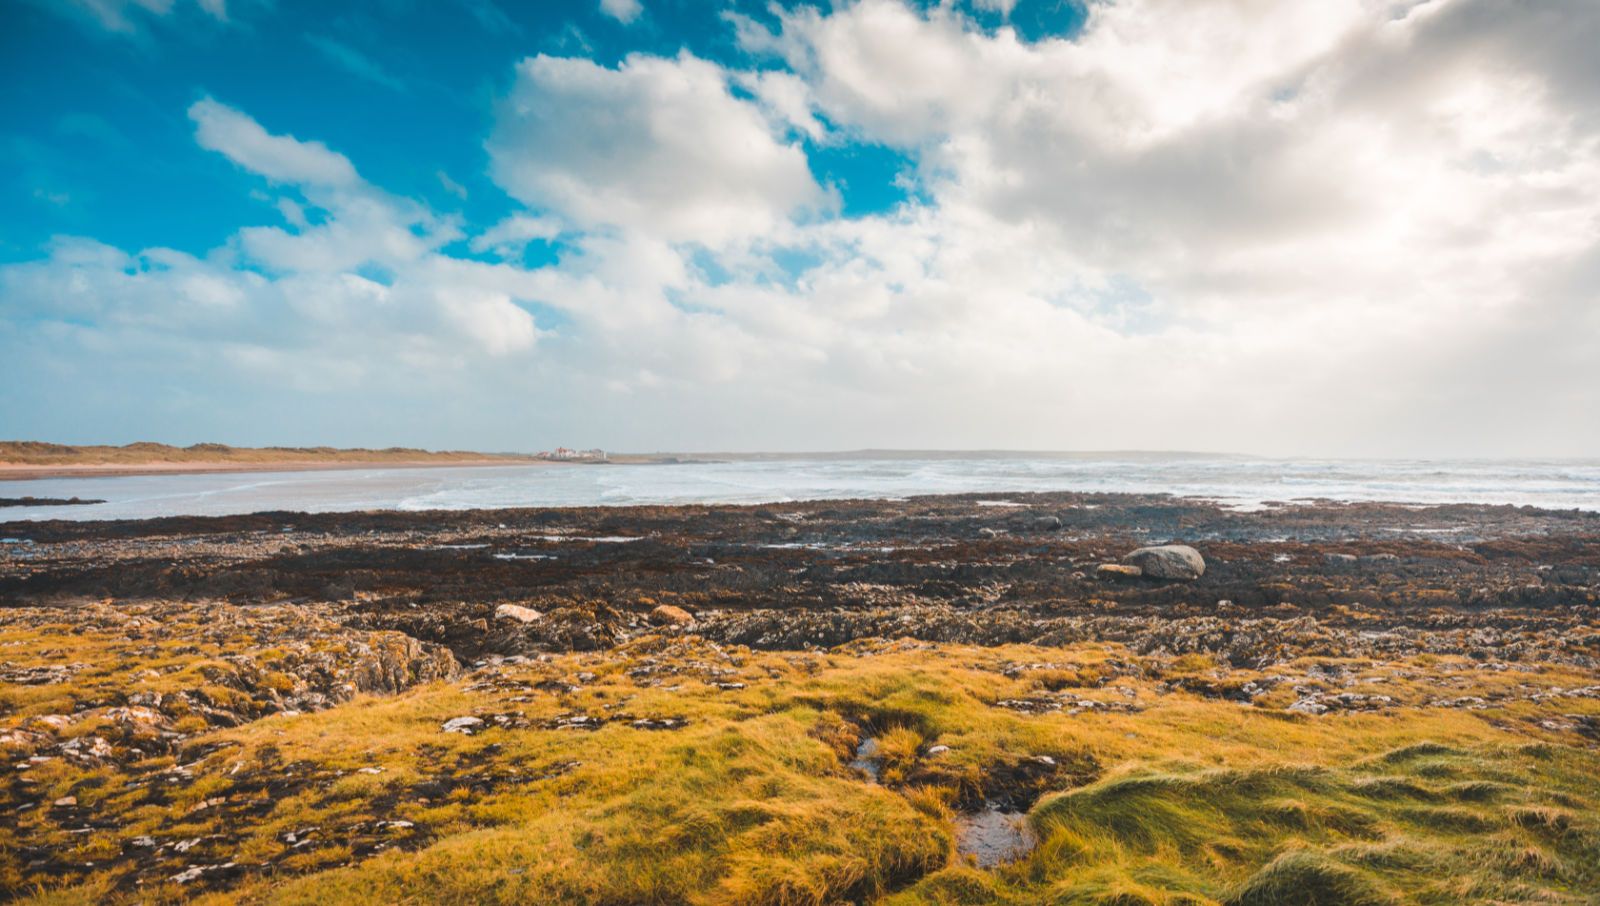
{"points": [[46, 501], [820, 574], [994, 836]]}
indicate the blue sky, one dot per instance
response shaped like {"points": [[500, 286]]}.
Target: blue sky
{"points": [[663, 224], [405, 88]]}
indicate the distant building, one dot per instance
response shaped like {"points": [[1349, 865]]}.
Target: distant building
{"points": [[566, 454]]}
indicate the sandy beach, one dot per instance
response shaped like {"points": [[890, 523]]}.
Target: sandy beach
{"points": [[25, 471]]}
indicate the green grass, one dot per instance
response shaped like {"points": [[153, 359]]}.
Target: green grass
{"points": [[1371, 831]]}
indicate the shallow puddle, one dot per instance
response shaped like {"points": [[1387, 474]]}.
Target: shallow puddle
{"points": [[993, 836], [867, 759]]}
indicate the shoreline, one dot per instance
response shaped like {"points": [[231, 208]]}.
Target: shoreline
{"points": [[25, 472]]}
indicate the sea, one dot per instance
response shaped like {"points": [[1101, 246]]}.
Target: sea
{"points": [[1243, 482]]}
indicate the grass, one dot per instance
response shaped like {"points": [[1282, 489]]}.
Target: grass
{"points": [[1190, 799], [1325, 834]]}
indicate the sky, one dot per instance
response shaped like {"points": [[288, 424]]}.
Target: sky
{"points": [[1340, 228]]}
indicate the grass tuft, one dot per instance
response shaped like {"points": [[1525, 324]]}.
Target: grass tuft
{"points": [[1305, 878]]}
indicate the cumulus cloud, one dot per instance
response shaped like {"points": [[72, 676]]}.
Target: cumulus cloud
{"points": [[366, 287], [657, 145], [1351, 194]]}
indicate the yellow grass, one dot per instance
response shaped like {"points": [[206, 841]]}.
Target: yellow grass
{"points": [[1189, 800]]}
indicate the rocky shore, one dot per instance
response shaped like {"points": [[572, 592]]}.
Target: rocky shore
{"points": [[1491, 582], [45, 501], [140, 661]]}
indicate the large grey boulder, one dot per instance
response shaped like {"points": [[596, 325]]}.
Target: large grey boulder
{"points": [[1168, 561]]}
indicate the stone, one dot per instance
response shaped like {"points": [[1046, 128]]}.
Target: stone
{"points": [[1168, 561], [467, 725], [87, 749], [135, 717], [1117, 571], [517, 612], [667, 615], [659, 723], [66, 801]]}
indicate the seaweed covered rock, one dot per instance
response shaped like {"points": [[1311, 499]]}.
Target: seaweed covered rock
{"points": [[1117, 572]]}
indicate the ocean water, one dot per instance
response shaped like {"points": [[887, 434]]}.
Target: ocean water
{"points": [[1239, 481]]}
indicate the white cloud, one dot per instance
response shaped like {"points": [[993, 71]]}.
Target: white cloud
{"points": [[786, 99], [450, 185], [510, 236], [317, 299], [658, 145], [1311, 202], [624, 11], [281, 158]]}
